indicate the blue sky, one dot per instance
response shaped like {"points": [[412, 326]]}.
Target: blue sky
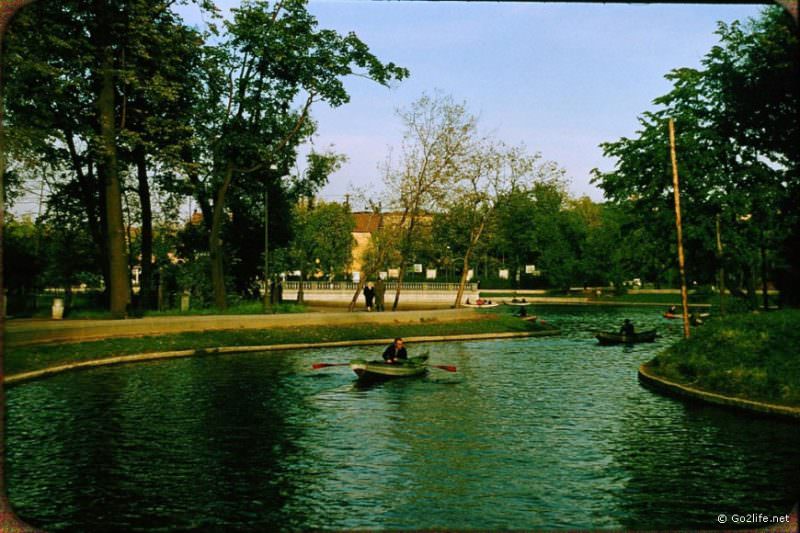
{"points": [[560, 78]]}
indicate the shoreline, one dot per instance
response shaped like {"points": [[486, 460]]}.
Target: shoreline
{"points": [[25, 377], [682, 391], [47, 331]]}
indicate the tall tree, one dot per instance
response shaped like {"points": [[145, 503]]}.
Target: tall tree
{"points": [[273, 56], [735, 142], [90, 96], [439, 135]]}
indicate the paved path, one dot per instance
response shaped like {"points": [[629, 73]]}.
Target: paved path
{"points": [[22, 332]]}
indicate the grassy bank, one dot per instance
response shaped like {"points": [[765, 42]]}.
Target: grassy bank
{"points": [[750, 356], [610, 297], [28, 358]]}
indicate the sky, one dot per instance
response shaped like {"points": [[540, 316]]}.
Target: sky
{"points": [[560, 78]]}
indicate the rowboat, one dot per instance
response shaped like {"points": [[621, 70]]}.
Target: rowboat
{"points": [[365, 370], [673, 316], [518, 303], [481, 305], [607, 338]]}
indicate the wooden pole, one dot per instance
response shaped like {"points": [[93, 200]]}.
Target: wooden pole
{"points": [[721, 271], [681, 266]]}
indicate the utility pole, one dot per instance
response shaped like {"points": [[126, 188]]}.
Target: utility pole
{"points": [[676, 189], [721, 271]]}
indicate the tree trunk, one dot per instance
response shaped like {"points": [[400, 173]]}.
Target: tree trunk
{"points": [[399, 286], [764, 290], [463, 281], [360, 287], [146, 279], [92, 195], [119, 288], [300, 294], [215, 242]]}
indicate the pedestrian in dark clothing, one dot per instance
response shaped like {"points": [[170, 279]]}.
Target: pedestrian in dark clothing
{"points": [[395, 351], [369, 295], [380, 291]]}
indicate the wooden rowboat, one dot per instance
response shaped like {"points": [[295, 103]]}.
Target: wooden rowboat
{"points": [[481, 305], [608, 338], [376, 370], [673, 316]]}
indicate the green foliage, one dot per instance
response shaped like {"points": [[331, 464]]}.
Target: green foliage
{"points": [[753, 356], [322, 240], [736, 139]]}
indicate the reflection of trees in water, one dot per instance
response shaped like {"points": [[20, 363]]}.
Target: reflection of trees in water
{"points": [[185, 443], [680, 465]]}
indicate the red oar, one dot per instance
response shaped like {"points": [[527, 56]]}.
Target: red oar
{"points": [[449, 368], [316, 366]]}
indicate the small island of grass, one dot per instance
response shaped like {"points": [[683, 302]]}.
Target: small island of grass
{"points": [[753, 357]]}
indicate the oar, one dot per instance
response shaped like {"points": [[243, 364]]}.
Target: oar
{"points": [[449, 368], [316, 366]]}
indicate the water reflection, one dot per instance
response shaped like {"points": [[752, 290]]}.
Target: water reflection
{"points": [[548, 433]]}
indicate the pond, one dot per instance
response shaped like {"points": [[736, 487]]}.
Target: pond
{"points": [[539, 433]]}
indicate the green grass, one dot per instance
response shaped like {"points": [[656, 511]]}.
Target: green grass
{"points": [[752, 356], [28, 358]]}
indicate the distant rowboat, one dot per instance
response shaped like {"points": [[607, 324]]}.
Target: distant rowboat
{"points": [[673, 316], [608, 338], [481, 305]]}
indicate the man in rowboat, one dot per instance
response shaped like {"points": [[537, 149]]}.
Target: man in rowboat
{"points": [[395, 352], [627, 328]]}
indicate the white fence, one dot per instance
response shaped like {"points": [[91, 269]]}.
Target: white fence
{"points": [[412, 293], [390, 286]]}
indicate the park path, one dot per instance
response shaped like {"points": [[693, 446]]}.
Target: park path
{"points": [[39, 331]]}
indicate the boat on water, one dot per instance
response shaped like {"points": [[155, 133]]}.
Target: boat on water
{"points": [[376, 370], [608, 338], [484, 305], [673, 316], [520, 303]]}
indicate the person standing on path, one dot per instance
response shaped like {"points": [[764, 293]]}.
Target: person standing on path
{"points": [[369, 295], [380, 292]]}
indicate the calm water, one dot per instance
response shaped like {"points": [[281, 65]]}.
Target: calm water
{"points": [[548, 433]]}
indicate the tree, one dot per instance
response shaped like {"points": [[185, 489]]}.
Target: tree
{"points": [[272, 57], [439, 134], [735, 144], [98, 93], [322, 242], [486, 177]]}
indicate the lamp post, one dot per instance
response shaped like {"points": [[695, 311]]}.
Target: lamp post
{"points": [[267, 302]]}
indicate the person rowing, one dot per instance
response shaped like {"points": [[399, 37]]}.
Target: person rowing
{"points": [[395, 352], [627, 328]]}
